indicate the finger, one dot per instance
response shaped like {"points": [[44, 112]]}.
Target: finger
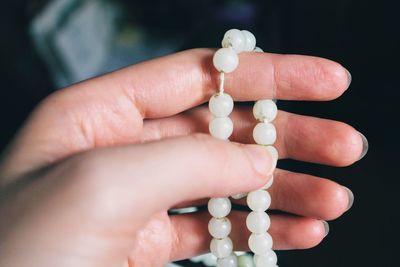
{"points": [[164, 173], [288, 232], [301, 194], [299, 137], [108, 110], [174, 83]]}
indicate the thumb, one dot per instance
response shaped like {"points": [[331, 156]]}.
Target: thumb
{"points": [[164, 173], [103, 197]]}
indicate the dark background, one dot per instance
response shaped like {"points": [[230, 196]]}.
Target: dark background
{"points": [[361, 35]]}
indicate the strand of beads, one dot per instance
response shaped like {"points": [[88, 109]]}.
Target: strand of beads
{"points": [[225, 60], [258, 221]]}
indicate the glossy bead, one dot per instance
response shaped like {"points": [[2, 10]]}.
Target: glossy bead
{"points": [[219, 207], [260, 243], [267, 259], [257, 49], [274, 153], [221, 128], [234, 38], [221, 248], [209, 260], [258, 222], [268, 184], [250, 41], [264, 133], [219, 228], [259, 200], [225, 60], [221, 105], [230, 261], [265, 109], [239, 195], [245, 261]]}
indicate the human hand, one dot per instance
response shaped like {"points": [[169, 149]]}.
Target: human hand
{"points": [[90, 177]]}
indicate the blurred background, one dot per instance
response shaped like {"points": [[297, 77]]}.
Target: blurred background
{"points": [[49, 44]]}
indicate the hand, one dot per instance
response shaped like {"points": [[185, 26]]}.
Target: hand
{"points": [[90, 177]]}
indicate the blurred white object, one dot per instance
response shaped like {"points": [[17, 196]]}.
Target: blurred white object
{"points": [[81, 39]]}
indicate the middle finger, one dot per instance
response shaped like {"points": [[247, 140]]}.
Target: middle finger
{"points": [[299, 137]]}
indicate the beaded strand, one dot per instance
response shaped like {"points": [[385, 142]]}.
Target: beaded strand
{"points": [[226, 60], [258, 221]]}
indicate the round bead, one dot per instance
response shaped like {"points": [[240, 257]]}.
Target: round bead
{"points": [[250, 41], [230, 261], [265, 109], [267, 259], [274, 153], [264, 133], [225, 60], [219, 228], [234, 38], [221, 248], [245, 261], [221, 105], [257, 49], [268, 184], [209, 259], [260, 243], [258, 222], [239, 195], [219, 207], [259, 200], [221, 128]]}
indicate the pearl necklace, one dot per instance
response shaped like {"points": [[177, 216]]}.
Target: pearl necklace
{"points": [[226, 60]]}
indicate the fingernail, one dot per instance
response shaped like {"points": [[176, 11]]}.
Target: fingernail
{"points": [[260, 160], [351, 198], [274, 154], [326, 226], [349, 78], [365, 146]]}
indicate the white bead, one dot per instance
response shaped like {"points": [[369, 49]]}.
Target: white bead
{"points": [[245, 261], [219, 207], [221, 105], [209, 260], [267, 259], [258, 222], [221, 128], [221, 248], [259, 200], [265, 109], [273, 151], [257, 49], [260, 243], [239, 195], [230, 261], [234, 38], [225, 60], [219, 228], [268, 184], [250, 41], [264, 133]]}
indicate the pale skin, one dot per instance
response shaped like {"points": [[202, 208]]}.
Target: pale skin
{"points": [[90, 177]]}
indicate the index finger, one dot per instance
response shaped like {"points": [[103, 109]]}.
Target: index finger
{"points": [[174, 83]]}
